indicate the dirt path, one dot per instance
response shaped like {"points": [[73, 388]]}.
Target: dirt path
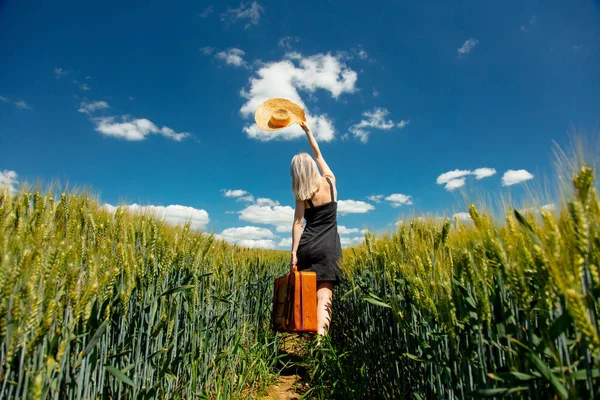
{"points": [[283, 389], [291, 381]]}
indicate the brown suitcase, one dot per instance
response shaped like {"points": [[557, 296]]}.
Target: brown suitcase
{"points": [[295, 302]]}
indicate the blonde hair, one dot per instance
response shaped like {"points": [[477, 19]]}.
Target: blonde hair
{"points": [[305, 176]]}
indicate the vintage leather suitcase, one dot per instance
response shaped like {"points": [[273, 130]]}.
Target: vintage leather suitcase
{"points": [[295, 302]]}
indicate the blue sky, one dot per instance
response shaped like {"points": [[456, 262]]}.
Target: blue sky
{"points": [[151, 103]]}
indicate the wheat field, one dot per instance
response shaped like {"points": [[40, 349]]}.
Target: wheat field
{"points": [[96, 305]]}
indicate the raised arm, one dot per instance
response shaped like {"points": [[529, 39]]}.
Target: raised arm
{"points": [[325, 170], [297, 230]]}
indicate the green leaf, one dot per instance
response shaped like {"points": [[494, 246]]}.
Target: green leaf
{"points": [[490, 392], [511, 376], [559, 325], [97, 335], [413, 357], [582, 374], [546, 373], [176, 290], [119, 375], [371, 298]]}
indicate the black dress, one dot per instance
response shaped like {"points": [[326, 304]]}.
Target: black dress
{"points": [[320, 249]]}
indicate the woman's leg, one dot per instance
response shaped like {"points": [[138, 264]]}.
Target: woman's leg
{"points": [[324, 295]]}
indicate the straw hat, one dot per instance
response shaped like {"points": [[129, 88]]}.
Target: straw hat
{"points": [[278, 113]]}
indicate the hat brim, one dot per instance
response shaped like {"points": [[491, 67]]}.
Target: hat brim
{"points": [[263, 113]]}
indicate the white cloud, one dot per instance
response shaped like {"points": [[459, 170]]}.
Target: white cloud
{"points": [[285, 242], [22, 105], [234, 192], [375, 119], [448, 176], [512, 177], [354, 207], [375, 93], [455, 179], [347, 242], [287, 228], [131, 98], [84, 86], [376, 198], [9, 179], [363, 55], [284, 79], [234, 235], [173, 214], [398, 199], [249, 198], [244, 12], [455, 184], [468, 46], [207, 50], [88, 108], [58, 72], [257, 244], [4, 99], [481, 173], [136, 129], [548, 207], [262, 201], [207, 11], [232, 56], [463, 216], [342, 230], [287, 41], [269, 215]]}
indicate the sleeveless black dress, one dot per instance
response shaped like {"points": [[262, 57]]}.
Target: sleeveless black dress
{"points": [[320, 249]]}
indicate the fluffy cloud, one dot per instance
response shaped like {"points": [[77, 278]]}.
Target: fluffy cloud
{"points": [[9, 179], [232, 56], [261, 201], [257, 244], [375, 119], [88, 108], [548, 207], [235, 235], [285, 78], [342, 230], [348, 242], [134, 129], [285, 242], [207, 50], [467, 46], [463, 216], [455, 184], [280, 216], [398, 199], [354, 207], [248, 12], [455, 179], [512, 177], [481, 173], [448, 176], [376, 198], [234, 192], [173, 214]]}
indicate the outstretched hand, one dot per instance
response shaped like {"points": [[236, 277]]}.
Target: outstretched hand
{"points": [[304, 127]]}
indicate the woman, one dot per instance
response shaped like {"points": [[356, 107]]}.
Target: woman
{"points": [[318, 247]]}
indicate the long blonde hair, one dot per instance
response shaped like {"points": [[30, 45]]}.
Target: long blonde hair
{"points": [[305, 176]]}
